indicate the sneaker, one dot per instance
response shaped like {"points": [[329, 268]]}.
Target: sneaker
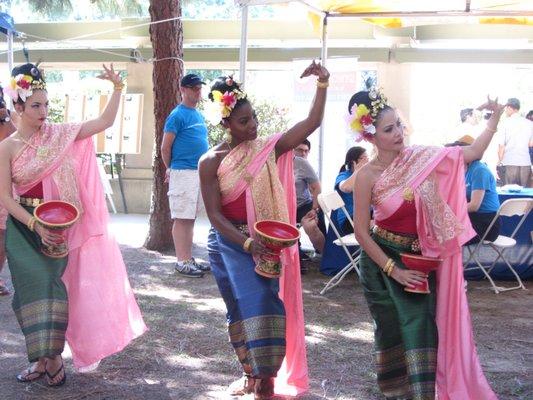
{"points": [[201, 266], [188, 269]]}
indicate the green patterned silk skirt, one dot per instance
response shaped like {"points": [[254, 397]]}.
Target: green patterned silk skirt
{"points": [[40, 298], [405, 329]]}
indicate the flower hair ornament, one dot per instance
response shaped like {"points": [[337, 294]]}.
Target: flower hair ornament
{"points": [[22, 85], [223, 103], [361, 120]]}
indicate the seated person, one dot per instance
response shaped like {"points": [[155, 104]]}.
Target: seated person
{"points": [[334, 257], [483, 201], [356, 157], [307, 187], [481, 195]]}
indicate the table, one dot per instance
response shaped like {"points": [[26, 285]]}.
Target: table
{"points": [[520, 256]]}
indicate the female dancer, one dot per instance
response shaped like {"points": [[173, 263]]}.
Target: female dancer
{"points": [[418, 197], [247, 179], [84, 298]]}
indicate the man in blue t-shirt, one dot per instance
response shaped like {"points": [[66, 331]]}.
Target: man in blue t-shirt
{"points": [[184, 142], [483, 201]]}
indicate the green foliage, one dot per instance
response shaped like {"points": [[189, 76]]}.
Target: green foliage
{"points": [[209, 75], [56, 109], [56, 8], [88, 73], [272, 119], [221, 9], [53, 76], [122, 8]]}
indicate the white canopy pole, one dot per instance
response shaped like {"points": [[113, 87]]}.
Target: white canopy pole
{"points": [[10, 50], [324, 57], [243, 52]]}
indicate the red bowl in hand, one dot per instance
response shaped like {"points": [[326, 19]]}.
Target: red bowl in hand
{"points": [[56, 214], [276, 236], [423, 264], [420, 263]]}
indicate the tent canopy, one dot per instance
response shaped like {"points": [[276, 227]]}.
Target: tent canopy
{"points": [[399, 13], [396, 14], [6, 23]]}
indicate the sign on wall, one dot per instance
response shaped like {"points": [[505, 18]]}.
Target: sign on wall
{"points": [[125, 135]]}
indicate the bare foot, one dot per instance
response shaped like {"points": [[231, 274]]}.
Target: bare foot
{"points": [[33, 372]]}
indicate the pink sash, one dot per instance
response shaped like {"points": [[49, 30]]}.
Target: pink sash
{"points": [[103, 314], [436, 176], [249, 163]]}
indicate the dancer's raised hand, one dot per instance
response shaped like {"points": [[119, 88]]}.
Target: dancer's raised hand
{"points": [[109, 74], [315, 68]]}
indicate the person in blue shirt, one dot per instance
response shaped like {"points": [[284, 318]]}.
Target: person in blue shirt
{"points": [[184, 142], [483, 201], [356, 157], [481, 195]]}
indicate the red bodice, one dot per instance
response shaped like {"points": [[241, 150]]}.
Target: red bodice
{"points": [[236, 210], [35, 192], [402, 221]]}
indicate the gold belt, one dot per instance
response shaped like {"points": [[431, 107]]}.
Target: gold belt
{"points": [[243, 228], [30, 202], [394, 237]]}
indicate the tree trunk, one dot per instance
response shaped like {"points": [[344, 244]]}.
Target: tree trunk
{"points": [[167, 43]]}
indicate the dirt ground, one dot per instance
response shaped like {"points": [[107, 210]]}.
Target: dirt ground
{"points": [[185, 355]]}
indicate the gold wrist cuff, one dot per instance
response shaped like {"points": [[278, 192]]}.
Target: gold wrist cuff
{"points": [[118, 86], [31, 223], [247, 244]]}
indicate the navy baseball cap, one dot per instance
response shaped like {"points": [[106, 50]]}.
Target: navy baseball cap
{"points": [[191, 80], [513, 103]]}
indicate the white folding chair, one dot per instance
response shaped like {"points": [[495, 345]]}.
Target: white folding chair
{"points": [[329, 202], [509, 208]]}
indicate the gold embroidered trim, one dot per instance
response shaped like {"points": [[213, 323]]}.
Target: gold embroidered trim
{"points": [[30, 202]]}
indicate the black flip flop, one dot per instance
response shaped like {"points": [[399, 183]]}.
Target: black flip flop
{"points": [[51, 377]]}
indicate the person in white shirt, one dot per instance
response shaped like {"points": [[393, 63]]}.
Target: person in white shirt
{"points": [[515, 139]]}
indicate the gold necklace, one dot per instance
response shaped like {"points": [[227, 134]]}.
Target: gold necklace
{"points": [[41, 151], [381, 163]]}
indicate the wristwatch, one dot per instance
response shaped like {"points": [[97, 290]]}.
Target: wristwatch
{"points": [[7, 118]]}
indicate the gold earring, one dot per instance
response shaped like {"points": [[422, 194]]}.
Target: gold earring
{"points": [[227, 136]]}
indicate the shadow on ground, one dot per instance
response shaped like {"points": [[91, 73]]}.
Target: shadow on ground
{"points": [[186, 355]]}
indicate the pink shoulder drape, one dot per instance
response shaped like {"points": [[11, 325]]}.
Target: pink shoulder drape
{"points": [[103, 314], [436, 176], [257, 163]]}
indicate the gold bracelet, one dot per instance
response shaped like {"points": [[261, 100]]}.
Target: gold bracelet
{"points": [[322, 85], [31, 223], [391, 268], [247, 244], [118, 86], [388, 266]]}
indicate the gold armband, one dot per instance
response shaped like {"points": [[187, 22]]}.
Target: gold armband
{"points": [[389, 266], [118, 86], [31, 223], [247, 244]]}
